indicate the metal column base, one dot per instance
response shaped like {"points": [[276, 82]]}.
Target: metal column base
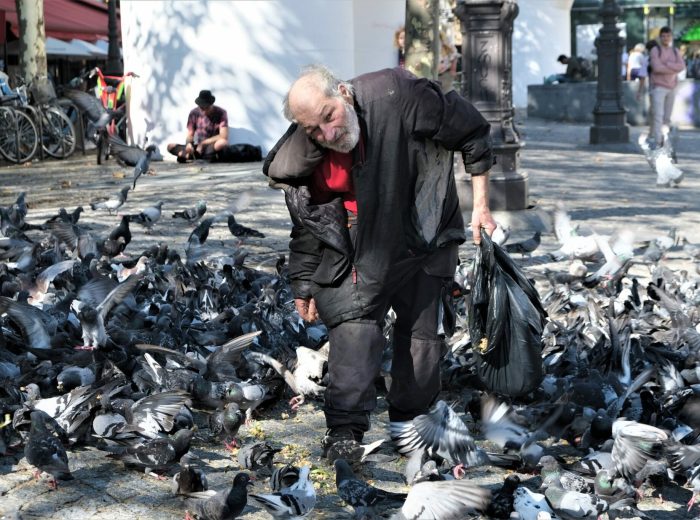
{"points": [[610, 134], [506, 193]]}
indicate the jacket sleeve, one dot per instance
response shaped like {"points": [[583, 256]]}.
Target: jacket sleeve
{"points": [[448, 119], [305, 253]]}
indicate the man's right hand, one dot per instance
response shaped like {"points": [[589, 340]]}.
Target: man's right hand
{"points": [[188, 149], [306, 307]]}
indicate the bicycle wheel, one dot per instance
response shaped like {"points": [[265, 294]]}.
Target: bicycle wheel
{"points": [[58, 134], [19, 138]]}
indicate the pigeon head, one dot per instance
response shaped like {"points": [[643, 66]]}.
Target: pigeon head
{"points": [[242, 480]]}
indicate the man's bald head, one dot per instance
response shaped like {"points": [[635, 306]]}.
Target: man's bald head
{"points": [[314, 84], [323, 105]]}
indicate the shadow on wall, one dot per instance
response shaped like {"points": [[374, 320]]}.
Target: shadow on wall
{"points": [[169, 46]]}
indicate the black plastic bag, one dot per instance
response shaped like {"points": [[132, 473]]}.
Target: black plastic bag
{"points": [[506, 319]]}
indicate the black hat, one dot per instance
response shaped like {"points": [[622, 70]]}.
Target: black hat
{"points": [[204, 99]]}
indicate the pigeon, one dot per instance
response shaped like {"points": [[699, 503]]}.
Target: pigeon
{"points": [[224, 505], [239, 230], [635, 444], [227, 422], [149, 216], [529, 505], [686, 460], [283, 477], [158, 454], [554, 475], [257, 457], [443, 432], [444, 500], [360, 495], [661, 161], [501, 505], [192, 215], [93, 319], [112, 204], [132, 156], [44, 451], [526, 246], [98, 115], [296, 501], [189, 479], [572, 504]]}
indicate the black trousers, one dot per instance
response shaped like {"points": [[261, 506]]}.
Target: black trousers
{"points": [[232, 153], [355, 357]]}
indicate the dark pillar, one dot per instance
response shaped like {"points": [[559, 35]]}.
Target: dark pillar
{"points": [[609, 114], [114, 63], [487, 30]]}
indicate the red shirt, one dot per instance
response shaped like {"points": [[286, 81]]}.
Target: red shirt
{"points": [[333, 176]]}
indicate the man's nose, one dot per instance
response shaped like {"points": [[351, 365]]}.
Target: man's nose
{"points": [[327, 134]]}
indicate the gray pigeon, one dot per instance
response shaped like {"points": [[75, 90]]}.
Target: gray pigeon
{"points": [[257, 457], [360, 495], [98, 115], [44, 451], [442, 432], [149, 216], [224, 505], [193, 214], [635, 444], [189, 479], [112, 204]]}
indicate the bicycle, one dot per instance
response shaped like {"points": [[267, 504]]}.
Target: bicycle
{"points": [[19, 137], [55, 129]]}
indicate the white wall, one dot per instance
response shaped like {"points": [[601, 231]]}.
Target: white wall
{"points": [[541, 32], [247, 52]]}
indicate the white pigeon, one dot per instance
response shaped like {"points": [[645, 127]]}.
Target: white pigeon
{"points": [[661, 160], [529, 505], [573, 243]]}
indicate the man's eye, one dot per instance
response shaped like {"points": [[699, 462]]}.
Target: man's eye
{"points": [[329, 117]]}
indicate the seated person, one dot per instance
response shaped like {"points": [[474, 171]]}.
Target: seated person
{"points": [[577, 69], [207, 136]]}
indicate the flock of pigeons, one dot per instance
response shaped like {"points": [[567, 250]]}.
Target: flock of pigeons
{"points": [[127, 352]]}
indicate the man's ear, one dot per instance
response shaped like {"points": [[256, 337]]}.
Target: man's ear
{"points": [[343, 91]]}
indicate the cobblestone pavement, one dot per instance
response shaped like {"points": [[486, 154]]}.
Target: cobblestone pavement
{"points": [[605, 187]]}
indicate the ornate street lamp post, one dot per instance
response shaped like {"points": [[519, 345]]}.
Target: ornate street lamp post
{"points": [[609, 114], [487, 79]]}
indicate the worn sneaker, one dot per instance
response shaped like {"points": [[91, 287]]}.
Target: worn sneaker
{"points": [[335, 435]]}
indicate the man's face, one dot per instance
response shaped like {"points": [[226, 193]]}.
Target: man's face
{"points": [[666, 39], [207, 109], [330, 121]]}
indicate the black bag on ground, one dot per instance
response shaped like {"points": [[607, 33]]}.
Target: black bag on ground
{"points": [[506, 319]]}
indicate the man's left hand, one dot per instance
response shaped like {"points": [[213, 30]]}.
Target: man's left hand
{"points": [[200, 149], [481, 218]]}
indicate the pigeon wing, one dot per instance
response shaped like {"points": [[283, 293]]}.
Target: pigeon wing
{"points": [[87, 103], [129, 154], [445, 500]]}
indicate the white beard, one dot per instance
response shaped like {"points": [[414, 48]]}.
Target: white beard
{"points": [[351, 134]]}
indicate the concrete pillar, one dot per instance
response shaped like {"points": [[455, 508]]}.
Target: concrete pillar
{"points": [[609, 114], [487, 65]]}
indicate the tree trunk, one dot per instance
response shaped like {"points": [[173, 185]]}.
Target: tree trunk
{"points": [[422, 37], [114, 64], [32, 43]]}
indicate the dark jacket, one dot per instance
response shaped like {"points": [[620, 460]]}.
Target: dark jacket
{"points": [[408, 209]]}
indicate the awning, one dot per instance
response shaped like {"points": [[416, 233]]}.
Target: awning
{"points": [[93, 49], [56, 48], [68, 19]]}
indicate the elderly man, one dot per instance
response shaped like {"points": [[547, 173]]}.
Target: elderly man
{"points": [[207, 135], [367, 171]]}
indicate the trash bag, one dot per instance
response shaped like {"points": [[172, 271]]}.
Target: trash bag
{"points": [[506, 319]]}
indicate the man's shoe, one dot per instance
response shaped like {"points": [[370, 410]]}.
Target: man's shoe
{"points": [[335, 435]]}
